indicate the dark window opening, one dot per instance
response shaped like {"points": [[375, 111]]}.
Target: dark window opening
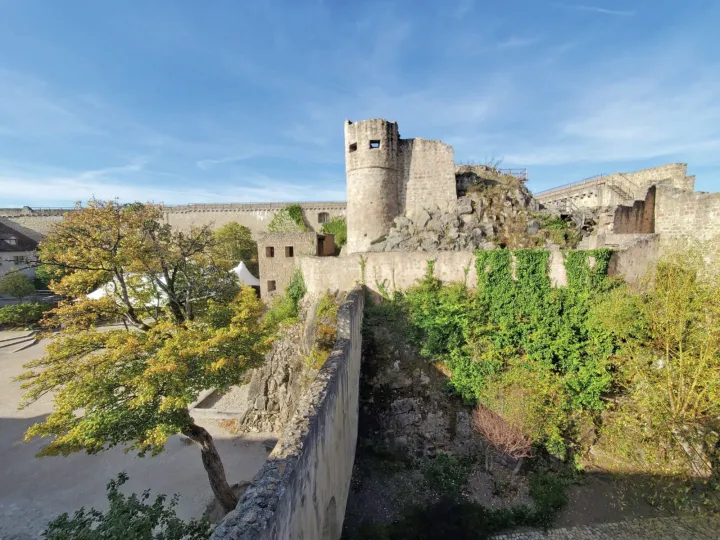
{"points": [[289, 251], [374, 144], [269, 251], [353, 147], [271, 285], [323, 217]]}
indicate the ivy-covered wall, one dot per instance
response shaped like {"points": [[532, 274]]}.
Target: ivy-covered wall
{"points": [[399, 271]]}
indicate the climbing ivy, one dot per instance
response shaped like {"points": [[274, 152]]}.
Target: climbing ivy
{"points": [[517, 344]]}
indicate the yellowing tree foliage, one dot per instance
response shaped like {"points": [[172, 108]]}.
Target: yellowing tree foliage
{"points": [[188, 329]]}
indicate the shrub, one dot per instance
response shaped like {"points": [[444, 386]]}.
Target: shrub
{"points": [[22, 314], [17, 285], [336, 226], [507, 439], [285, 308], [128, 517]]}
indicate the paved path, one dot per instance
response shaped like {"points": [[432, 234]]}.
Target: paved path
{"points": [[641, 529], [34, 491]]}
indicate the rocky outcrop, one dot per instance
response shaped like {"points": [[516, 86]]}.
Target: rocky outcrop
{"points": [[489, 215]]}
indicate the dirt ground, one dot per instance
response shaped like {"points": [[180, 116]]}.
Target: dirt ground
{"points": [[34, 491]]}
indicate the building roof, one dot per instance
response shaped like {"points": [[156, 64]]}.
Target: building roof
{"points": [[14, 237]]}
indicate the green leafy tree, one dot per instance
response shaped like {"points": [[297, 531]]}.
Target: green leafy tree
{"points": [[187, 329], [668, 364], [17, 285], [128, 518], [234, 243]]}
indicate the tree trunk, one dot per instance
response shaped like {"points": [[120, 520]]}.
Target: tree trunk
{"points": [[213, 465]]}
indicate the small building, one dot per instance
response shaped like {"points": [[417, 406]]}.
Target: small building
{"points": [[276, 257], [18, 248]]}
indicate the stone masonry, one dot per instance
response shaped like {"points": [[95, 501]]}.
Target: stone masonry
{"points": [[276, 257], [389, 177]]}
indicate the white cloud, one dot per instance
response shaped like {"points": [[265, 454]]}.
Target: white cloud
{"points": [[597, 9]]}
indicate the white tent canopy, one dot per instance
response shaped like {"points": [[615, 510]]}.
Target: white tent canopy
{"points": [[241, 271], [244, 275]]}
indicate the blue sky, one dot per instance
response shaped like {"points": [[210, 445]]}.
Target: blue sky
{"points": [[181, 101]]}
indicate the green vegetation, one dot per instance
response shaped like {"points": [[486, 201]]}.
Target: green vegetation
{"points": [[17, 285], [285, 308], [639, 370], [337, 226], [559, 231], [22, 314], [519, 347], [234, 243], [289, 219], [128, 518], [325, 330]]}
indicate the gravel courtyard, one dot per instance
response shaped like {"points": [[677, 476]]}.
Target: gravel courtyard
{"points": [[34, 491]]}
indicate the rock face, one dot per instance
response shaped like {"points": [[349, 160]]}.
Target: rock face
{"points": [[484, 218], [275, 388], [405, 406]]}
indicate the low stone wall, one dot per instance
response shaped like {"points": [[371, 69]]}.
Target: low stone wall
{"points": [[389, 271], [302, 490]]}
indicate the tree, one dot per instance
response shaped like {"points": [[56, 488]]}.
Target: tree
{"points": [[234, 243], [17, 285], [128, 518], [668, 362], [187, 329]]}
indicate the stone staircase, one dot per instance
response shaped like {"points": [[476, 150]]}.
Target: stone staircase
{"points": [[21, 342]]}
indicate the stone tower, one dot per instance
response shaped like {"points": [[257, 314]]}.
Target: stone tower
{"points": [[371, 166]]}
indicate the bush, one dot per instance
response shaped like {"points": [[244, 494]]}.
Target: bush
{"points": [[285, 308], [22, 314], [17, 285], [507, 439], [289, 219], [336, 226], [128, 518]]}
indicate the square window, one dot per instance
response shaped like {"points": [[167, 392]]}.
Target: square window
{"points": [[353, 147], [271, 285], [269, 251], [374, 145], [289, 251], [323, 217]]}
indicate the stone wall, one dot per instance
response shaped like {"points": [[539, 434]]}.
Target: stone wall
{"points": [[682, 215], [254, 216], [638, 218], [390, 270], [619, 188], [301, 491], [426, 176], [371, 167], [276, 258]]}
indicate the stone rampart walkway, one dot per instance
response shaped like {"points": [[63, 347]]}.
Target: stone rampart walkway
{"points": [[642, 529]]}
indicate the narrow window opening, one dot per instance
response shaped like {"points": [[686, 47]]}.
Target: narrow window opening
{"points": [[323, 217], [269, 251], [289, 251], [353, 147], [374, 145], [271, 285]]}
